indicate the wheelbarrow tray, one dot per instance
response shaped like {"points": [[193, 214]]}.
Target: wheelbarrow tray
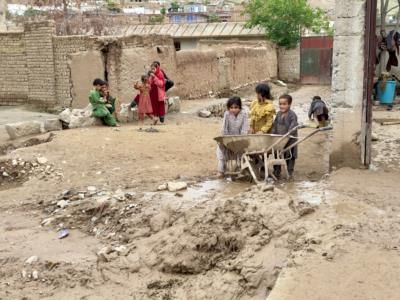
{"points": [[252, 142]]}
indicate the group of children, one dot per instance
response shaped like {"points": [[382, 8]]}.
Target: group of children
{"points": [[260, 120]]}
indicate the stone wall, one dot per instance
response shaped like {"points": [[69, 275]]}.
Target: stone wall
{"points": [[347, 81], [289, 64], [13, 74]]}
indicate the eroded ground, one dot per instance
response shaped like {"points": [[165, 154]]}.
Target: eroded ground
{"points": [[319, 237]]}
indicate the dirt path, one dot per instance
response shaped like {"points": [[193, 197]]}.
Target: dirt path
{"points": [[315, 238]]}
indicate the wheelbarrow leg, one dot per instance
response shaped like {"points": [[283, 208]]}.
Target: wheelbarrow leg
{"points": [[266, 166], [246, 164]]}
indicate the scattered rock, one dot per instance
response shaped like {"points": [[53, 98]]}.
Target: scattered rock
{"points": [[42, 160], [162, 187], [121, 249], [5, 174], [35, 275], [177, 186], [17, 130], [52, 125], [24, 274], [63, 203], [65, 116], [91, 189], [47, 221], [374, 137], [204, 114], [31, 260]]}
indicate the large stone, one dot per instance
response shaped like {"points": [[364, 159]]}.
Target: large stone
{"points": [[204, 114], [176, 186], [17, 130], [65, 116], [52, 125], [174, 104], [83, 118]]}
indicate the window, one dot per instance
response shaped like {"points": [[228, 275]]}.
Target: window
{"points": [[177, 45]]}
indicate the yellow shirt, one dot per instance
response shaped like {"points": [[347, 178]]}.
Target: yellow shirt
{"points": [[262, 116]]}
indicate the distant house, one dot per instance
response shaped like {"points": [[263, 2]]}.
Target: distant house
{"points": [[194, 8], [183, 17]]}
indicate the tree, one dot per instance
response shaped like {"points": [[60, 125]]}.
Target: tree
{"points": [[163, 11], [284, 20], [214, 19], [175, 6]]}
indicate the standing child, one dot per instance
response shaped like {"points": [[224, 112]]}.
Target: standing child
{"points": [[144, 107], [286, 120], [235, 122], [262, 111], [319, 112]]}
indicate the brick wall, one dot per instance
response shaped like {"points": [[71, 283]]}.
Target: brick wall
{"points": [[13, 71], [64, 47], [40, 63], [47, 70], [289, 64]]}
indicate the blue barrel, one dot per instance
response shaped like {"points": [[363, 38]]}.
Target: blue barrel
{"points": [[387, 96]]}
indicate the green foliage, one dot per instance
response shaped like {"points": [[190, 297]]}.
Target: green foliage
{"points": [[175, 6], [284, 20], [113, 7], [214, 19], [156, 19], [163, 11], [31, 12]]}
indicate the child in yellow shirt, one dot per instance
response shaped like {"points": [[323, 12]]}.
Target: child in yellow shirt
{"points": [[262, 110]]}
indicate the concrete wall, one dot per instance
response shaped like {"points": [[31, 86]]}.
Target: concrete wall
{"points": [[289, 64], [347, 81], [43, 69]]}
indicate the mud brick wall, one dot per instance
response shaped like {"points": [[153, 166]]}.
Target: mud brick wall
{"points": [[13, 71], [129, 58], [40, 63], [249, 65], [197, 73], [63, 48], [289, 64]]}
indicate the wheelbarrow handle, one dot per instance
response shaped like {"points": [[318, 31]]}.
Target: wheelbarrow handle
{"points": [[307, 137], [283, 137]]}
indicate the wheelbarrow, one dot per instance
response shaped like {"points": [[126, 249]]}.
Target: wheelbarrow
{"points": [[257, 154]]}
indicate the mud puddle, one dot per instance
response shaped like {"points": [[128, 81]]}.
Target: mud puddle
{"points": [[198, 193], [312, 192]]}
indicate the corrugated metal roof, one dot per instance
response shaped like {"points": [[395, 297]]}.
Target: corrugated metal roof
{"points": [[193, 30]]}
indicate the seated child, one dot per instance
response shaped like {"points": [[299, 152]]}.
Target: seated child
{"points": [[262, 111], [319, 112], [235, 122], [285, 120]]}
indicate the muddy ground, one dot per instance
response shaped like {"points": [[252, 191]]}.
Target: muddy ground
{"points": [[322, 236]]}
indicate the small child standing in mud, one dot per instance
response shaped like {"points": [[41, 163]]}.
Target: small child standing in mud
{"points": [[286, 120], [235, 122], [144, 107], [262, 110], [319, 112]]}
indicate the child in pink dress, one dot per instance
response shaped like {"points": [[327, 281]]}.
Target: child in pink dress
{"points": [[144, 107]]}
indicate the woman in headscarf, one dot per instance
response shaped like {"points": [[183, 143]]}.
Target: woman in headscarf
{"points": [[157, 91]]}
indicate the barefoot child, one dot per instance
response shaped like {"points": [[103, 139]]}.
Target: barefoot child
{"points": [[262, 111], [285, 120], [144, 107], [319, 112], [235, 123]]}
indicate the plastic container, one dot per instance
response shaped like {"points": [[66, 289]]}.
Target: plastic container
{"points": [[387, 96]]}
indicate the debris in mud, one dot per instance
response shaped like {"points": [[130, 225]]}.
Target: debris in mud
{"points": [[9, 147], [205, 114], [17, 171]]}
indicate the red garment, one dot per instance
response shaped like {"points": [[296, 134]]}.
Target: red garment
{"points": [[157, 93], [145, 106]]}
